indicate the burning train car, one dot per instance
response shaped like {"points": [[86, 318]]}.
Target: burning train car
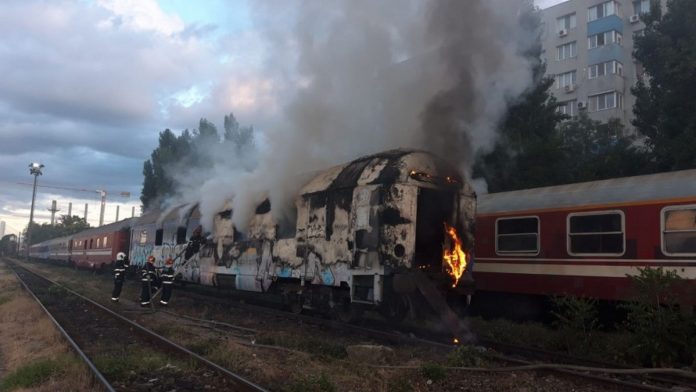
{"points": [[369, 233]]}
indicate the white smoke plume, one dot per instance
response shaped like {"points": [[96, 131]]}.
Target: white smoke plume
{"points": [[359, 76]]}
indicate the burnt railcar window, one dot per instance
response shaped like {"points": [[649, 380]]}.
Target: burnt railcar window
{"points": [[180, 235], [679, 230], [517, 235], [596, 234], [159, 236]]}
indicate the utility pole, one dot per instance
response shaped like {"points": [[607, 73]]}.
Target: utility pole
{"points": [[133, 212], [70, 209], [34, 170]]}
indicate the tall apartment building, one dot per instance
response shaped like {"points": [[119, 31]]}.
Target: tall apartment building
{"points": [[588, 46]]}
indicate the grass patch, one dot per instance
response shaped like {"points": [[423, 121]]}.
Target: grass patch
{"points": [[318, 347], [465, 356], [33, 374], [128, 364], [320, 383]]}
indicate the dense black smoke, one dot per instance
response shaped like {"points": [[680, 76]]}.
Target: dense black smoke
{"points": [[355, 77]]}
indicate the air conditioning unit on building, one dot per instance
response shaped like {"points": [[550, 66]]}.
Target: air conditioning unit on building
{"points": [[582, 105], [570, 88], [634, 18], [563, 33]]}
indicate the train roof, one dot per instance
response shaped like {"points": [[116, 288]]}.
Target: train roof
{"points": [[661, 186], [387, 167], [111, 227], [53, 241]]}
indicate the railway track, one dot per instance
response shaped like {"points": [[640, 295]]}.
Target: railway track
{"points": [[106, 340], [518, 356], [515, 355]]}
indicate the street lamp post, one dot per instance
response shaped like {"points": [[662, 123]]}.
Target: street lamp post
{"points": [[34, 170]]}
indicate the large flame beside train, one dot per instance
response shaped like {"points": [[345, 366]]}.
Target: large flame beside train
{"points": [[454, 257]]}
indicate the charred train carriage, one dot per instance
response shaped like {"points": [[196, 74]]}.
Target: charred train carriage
{"points": [[368, 232]]}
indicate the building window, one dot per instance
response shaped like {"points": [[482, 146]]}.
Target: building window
{"points": [[641, 7], [602, 10], [605, 101], [566, 79], [566, 51], [679, 230], [566, 22], [609, 67], [143, 237], [517, 235], [605, 38], [567, 108], [98, 242], [596, 233], [105, 240]]}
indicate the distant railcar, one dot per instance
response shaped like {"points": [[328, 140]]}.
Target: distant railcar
{"points": [[585, 239], [96, 248]]}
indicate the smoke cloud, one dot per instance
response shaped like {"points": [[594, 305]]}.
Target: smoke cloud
{"points": [[355, 77]]}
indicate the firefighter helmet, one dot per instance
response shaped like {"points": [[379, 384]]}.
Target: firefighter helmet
{"points": [[169, 261], [120, 256], [150, 259]]}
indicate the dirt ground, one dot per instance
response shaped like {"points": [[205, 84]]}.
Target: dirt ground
{"points": [[33, 354], [285, 355]]}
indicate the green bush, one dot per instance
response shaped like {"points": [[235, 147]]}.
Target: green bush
{"points": [[577, 321], [662, 335], [433, 371], [464, 356]]}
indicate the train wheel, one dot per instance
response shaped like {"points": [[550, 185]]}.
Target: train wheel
{"points": [[396, 308], [346, 311]]}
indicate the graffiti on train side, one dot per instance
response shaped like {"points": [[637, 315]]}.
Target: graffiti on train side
{"points": [[139, 254]]}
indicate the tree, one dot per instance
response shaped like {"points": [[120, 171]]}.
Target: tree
{"points": [[157, 180], [594, 150], [666, 93], [177, 156], [67, 225], [240, 137]]}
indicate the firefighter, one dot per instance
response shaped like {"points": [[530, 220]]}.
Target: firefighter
{"points": [[120, 267], [167, 281], [148, 279]]}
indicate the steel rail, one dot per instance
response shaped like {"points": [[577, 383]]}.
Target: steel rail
{"points": [[98, 376], [241, 382], [408, 337]]}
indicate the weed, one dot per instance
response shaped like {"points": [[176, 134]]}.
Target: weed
{"points": [[31, 375], [577, 322], [464, 356], [399, 384], [433, 371], [120, 366], [662, 335], [319, 383]]}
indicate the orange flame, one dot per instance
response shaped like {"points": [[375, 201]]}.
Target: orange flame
{"points": [[455, 258]]}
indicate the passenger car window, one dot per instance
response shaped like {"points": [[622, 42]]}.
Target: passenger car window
{"points": [[517, 235], [596, 234], [679, 230]]}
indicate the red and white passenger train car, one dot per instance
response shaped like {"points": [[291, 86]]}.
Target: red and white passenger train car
{"points": [[584, 239], [97, 247]]}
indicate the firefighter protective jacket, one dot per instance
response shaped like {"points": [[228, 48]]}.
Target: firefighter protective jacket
{"points": [[148, 273], [167, 275], [120, 270]]}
